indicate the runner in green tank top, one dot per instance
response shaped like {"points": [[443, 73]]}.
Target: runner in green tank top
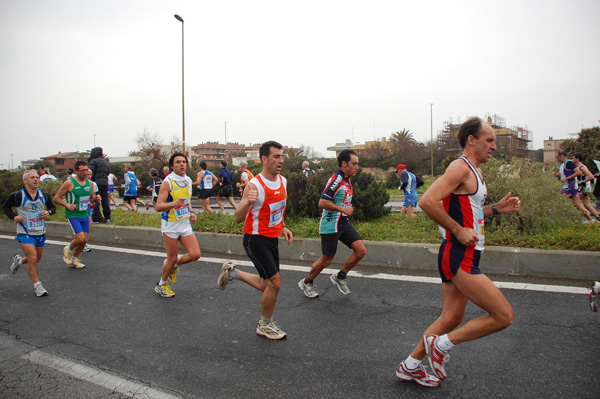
{"points": [[79, 196], [77, 193]]}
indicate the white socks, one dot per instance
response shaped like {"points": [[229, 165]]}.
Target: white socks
{"points": [[444, 343], [412, 363]]}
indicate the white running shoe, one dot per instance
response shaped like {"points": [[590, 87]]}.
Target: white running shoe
{"points": [[270, 330], [67, 255], [14, 266], [341, 285], [224, 276], [39, 290], [308, 290]]}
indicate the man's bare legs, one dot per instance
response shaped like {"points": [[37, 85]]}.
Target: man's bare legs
{"points": [[480, 290], [32, 257], [269, 287]]}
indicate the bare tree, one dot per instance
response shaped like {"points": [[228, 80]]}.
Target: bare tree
{"points": [[378, 151], [309, 151], [151, 149]]}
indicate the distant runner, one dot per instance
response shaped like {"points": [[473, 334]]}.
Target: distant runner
{"points": [[33, 207], [78, 193]]}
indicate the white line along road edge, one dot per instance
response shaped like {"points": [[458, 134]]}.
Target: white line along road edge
{"points": [[380, 276], [95, 376]]}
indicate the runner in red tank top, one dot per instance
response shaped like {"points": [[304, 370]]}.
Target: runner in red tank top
{"points": [[455, 202], [263, 209]]}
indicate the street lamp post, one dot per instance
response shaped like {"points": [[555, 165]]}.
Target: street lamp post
{"points": [[431, 144], [226, 133], [177, 17], [94, 139]]}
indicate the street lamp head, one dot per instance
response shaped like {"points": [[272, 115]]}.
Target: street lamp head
{"points": [[177, 17]]}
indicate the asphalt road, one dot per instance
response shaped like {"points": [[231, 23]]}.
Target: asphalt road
{"points": [[104, 333]]}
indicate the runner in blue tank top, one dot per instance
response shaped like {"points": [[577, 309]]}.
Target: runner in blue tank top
{"points": [[33, 207]]}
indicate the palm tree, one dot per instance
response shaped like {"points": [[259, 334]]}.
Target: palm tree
{"points": [[402, 136], [294, 152]]}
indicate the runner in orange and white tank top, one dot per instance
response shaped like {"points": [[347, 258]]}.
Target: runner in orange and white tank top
{"points": [[262, 208], [265, 217]]}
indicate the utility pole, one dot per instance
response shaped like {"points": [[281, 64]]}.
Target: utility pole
{"points": [[431, 144]]}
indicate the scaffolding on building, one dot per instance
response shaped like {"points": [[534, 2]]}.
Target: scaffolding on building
{"points": [[515, 141]]}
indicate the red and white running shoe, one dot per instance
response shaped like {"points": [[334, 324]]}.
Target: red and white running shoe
{"points": [[419, 375], [437, 358]]}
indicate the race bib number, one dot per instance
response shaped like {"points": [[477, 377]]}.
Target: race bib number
{"points": [[84, 203], [277, 210], [183, 212], [481, 228], [35, 222]]}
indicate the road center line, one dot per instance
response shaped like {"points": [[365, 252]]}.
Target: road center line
{"points": [[379, 276]]}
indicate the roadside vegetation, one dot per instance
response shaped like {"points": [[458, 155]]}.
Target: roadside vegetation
{"points": [[545, 220], [393, 227]]}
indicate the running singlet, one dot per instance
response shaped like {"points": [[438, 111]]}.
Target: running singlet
{"points": [[111, 179], [587, 186], [467, 210], [207, 181], [178, 189], [265, 216], [249, 176], [339, 191], [80, 196], [31, 211], [225, 177], [131, 184], [567, 169], [155, 184], [410, 185]]}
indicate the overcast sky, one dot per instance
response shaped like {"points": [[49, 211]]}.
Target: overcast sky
{"points": [[309, 73]]}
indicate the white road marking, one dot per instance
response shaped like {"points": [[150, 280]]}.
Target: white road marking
{"points": [[380, 276], [101, 378]]}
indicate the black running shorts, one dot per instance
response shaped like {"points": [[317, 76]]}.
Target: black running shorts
{"points": [[264, 253], [226, 191], [329, 242]]}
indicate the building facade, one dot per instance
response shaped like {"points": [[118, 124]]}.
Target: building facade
{"points": [[213, 152], [65, 160]]}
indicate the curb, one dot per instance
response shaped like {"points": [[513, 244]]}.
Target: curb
{"points": [[580, 265]]}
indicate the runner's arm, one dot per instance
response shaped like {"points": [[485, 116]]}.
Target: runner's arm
{"points": [[50, 206], [587, 173], [198, 179], [455, 176], [287, 234], [13, 200], [62, 191], [161, 201], [330, 206], [248, 199]]}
